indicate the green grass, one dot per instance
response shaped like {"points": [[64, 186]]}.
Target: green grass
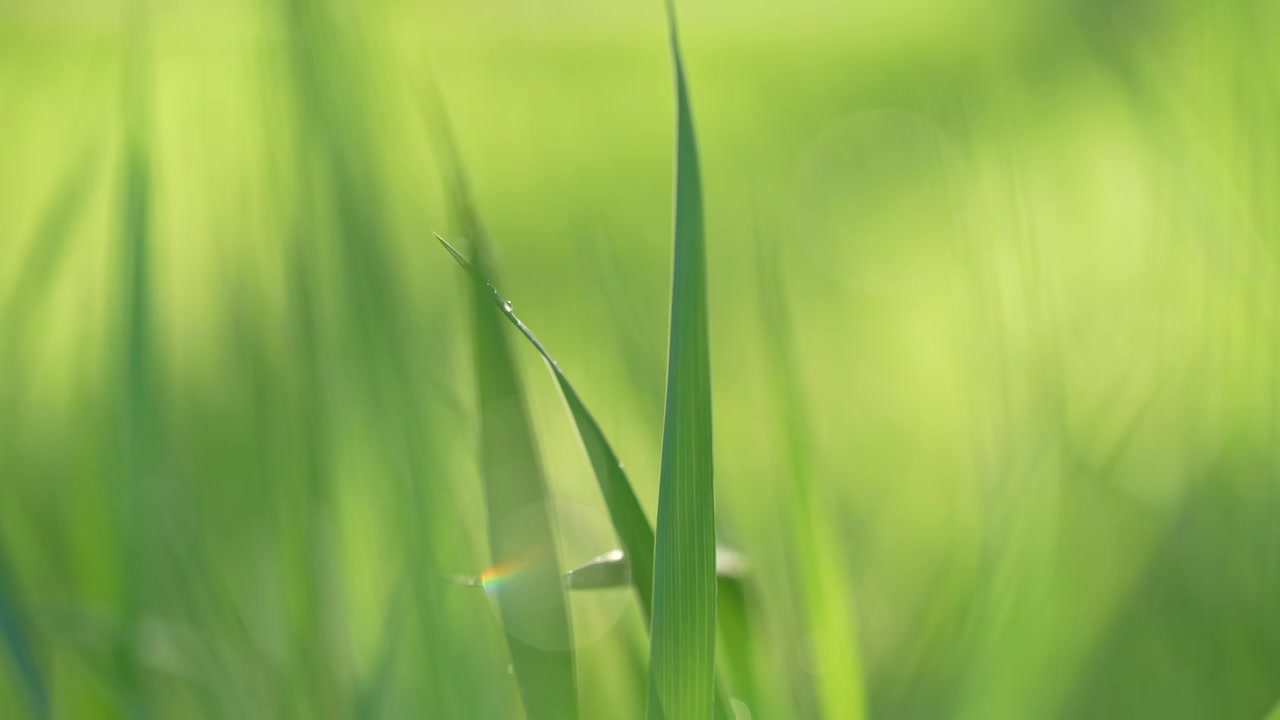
{"points": [[526, 580], [996, 388], [682, 647], [827, 599], [19, 647], [633, 564], [521, 540], [682, 667], [627, 517]]}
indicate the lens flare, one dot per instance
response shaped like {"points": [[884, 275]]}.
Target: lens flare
{"points": [[495, 576]]}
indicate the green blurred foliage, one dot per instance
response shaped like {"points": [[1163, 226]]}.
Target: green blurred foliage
{"points": [[1028, 252]]}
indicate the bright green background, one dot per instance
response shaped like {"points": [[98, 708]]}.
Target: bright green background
{"points": [[1029, 253]]}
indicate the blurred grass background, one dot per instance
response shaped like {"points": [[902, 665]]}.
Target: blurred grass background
{"points": [[1021, 257]]}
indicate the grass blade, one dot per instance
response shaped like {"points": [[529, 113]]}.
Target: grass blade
{"points": [[822, 580], [531, 602], [521, 537], [634, 563], [683, 638], [50, 245], [734, 605], [628, 518], [137, 403], [371, 701], [48, 251]]}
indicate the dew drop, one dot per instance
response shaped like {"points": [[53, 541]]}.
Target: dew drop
{"points": [[506, 305]]}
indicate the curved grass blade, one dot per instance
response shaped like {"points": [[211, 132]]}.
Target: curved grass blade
{"points": [[531, 601], [683, 637], [626, 514], [628, 518], [521, 537]]}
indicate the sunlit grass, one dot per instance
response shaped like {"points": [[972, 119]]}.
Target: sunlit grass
{"points": [[989, 312]]}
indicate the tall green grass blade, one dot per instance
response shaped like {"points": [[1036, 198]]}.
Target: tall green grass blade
{"points": [[682, 641], [18, 644], [629, 521]]}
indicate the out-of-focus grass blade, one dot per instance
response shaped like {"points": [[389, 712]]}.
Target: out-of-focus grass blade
{"points": [[137, 403], [47, 252], [822, 579], [530, 596], [371, 700], [629, 521], [683, 637], [49, 245], [734, 608], [1275, 713], [17, 641], [521, 540]]}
